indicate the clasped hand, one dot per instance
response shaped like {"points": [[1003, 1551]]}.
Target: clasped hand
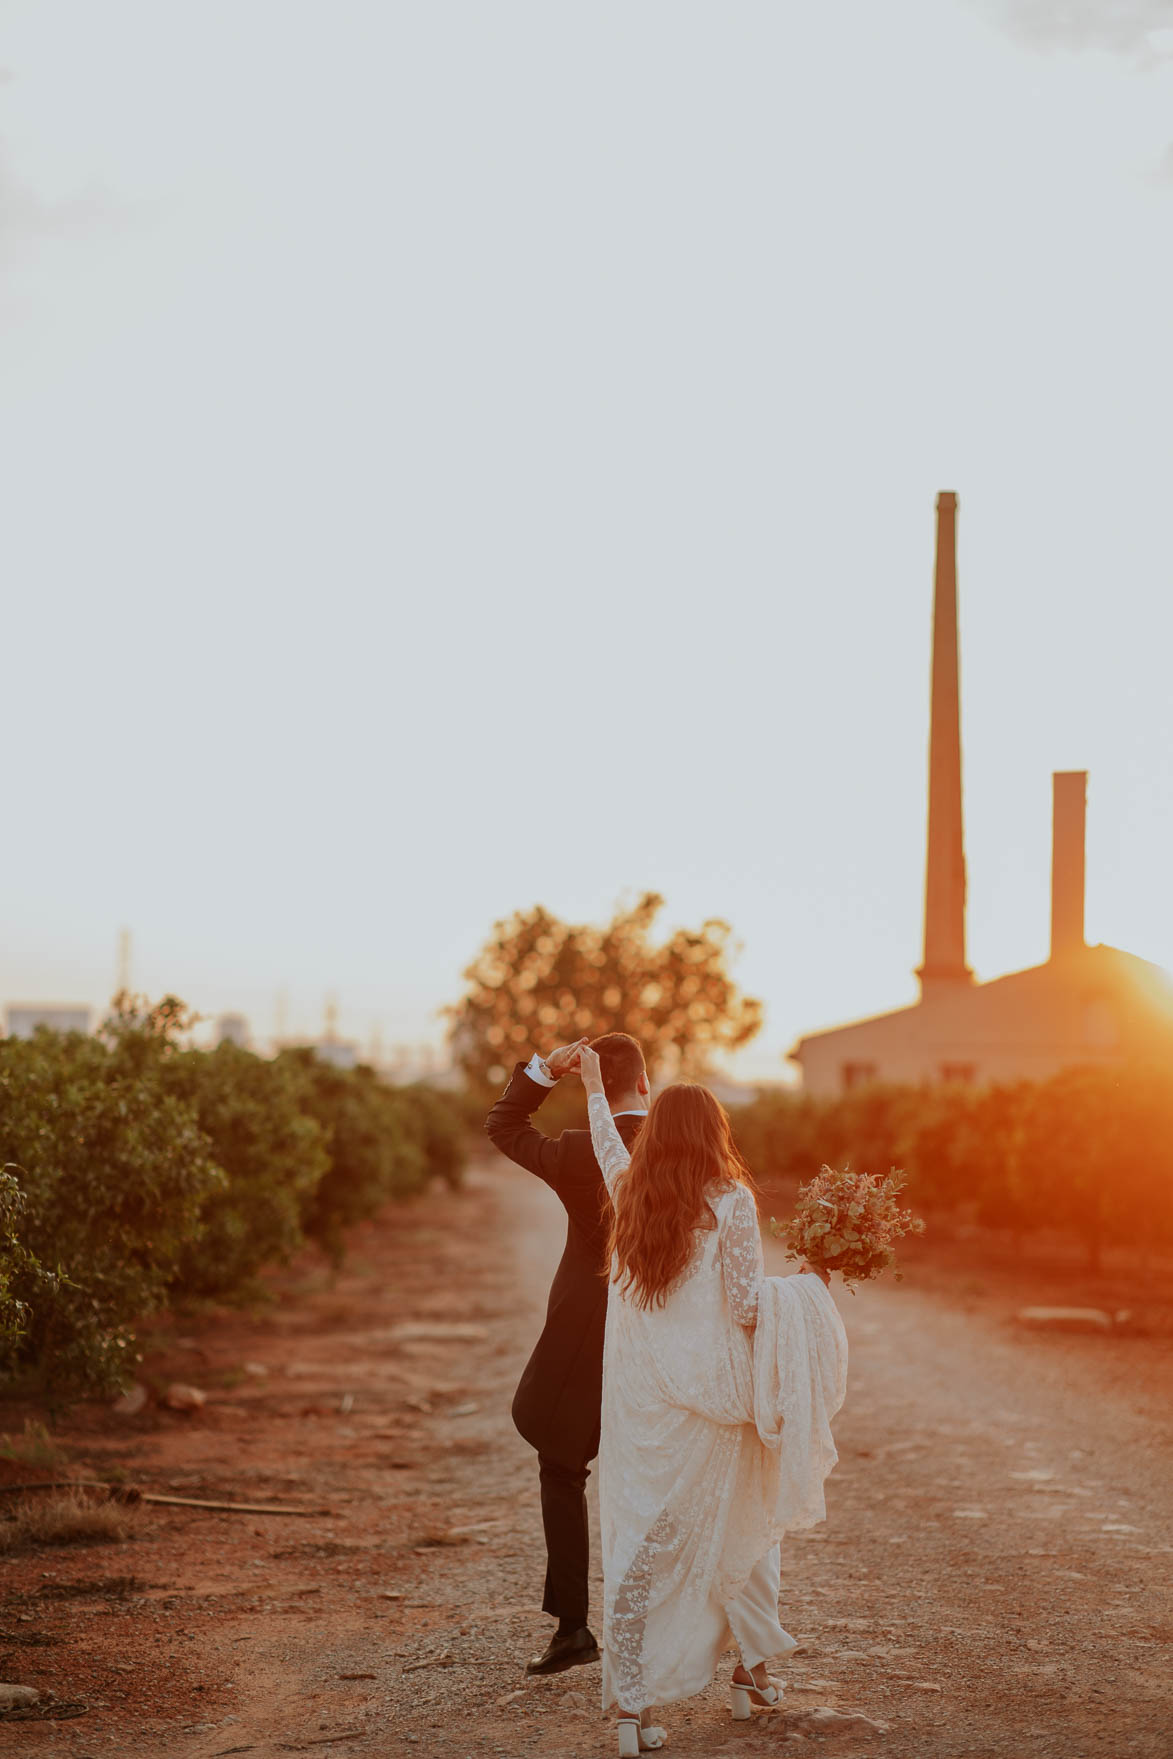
{"points": [[578, 1058], [564, 1061]]}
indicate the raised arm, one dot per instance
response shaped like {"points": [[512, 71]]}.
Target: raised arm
{"points": [[742, 1264], [508, 1125], [606, 1141]]}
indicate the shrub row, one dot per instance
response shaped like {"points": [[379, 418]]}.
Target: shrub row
{"points": [[138, 1172], [1088, 1153]]}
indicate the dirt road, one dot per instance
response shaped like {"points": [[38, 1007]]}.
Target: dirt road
{"points": [[992, 1578]]}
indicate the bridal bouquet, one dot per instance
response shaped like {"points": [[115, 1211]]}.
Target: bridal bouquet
{"points": [[849, 1222]]}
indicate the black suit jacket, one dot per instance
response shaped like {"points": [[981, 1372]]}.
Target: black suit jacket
{"points": [[560, 1394]]}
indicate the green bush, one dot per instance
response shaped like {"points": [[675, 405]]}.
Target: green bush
{"points": [[375, 1141], [142, 1170], [441, 1130], [114, 1173], [273, 1155], [23, 1281], [271, 1152]]}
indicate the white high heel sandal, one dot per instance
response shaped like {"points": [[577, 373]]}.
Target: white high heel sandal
{"points": [[744, 1700], [634, 1740]]}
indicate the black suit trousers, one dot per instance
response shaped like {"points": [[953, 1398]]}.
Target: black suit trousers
{"points": [[564, 1518]]}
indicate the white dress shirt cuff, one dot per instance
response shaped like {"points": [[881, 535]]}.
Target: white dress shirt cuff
{"points": [[537, 1071]]}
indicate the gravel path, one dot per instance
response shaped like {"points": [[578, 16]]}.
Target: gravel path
{"points": [[992, 1579]]}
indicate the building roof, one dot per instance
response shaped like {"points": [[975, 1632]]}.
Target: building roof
{"points": [[1133, 996]]}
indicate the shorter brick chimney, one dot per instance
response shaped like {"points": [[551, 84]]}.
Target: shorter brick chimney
{"points": [[1069, 825]]}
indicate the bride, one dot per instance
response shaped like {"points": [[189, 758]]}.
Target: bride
{"points": [[719, 1385]]}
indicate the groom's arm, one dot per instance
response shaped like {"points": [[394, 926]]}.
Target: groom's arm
{"points": [[509, 1128]]}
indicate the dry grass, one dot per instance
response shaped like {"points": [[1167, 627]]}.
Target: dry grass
{"points": [[72, 1517], [35, 1447]]}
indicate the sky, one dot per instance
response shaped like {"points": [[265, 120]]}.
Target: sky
{"points": [[457, 457]]}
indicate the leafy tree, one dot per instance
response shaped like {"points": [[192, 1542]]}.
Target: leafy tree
{"points": [[540, 982]]}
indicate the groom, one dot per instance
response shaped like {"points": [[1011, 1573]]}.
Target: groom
{"points": [[558, 1399]]}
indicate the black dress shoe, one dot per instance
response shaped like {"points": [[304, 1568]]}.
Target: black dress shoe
{"points": [[574, 1650]]}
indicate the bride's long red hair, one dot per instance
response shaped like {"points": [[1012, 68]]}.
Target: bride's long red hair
{"points": [[685, 1148]]}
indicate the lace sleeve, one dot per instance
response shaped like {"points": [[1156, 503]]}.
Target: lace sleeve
{"points": [[742, 1265], [606, 1141]]}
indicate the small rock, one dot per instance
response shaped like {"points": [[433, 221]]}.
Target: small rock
{"points": [[509, 1698], [970, 1515], [1065, 1318], [17, 1697], [464, 1410], [184, 1398], [824, 1721], [131, 1401], [925, 1686], [257, 1370]]}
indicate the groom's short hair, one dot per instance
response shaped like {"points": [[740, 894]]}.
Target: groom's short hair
{"points": [[621, 1062]]}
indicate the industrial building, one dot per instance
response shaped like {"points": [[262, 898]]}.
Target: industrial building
{"points": [[1085, 1005]]}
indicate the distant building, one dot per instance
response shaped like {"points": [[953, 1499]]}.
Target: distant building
{"points": [[21, 1020], [416, 1062], [232, 1029], [1086, 1005], [336, 1052]]}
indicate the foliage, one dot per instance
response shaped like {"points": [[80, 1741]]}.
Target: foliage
{"points": [[142, 1168], [273, 1155], [114, 1172], [849, 1222], [1088, 1152], [1099, 1145], [23, 1280], [541, 982], [441, 1129], [375, 1139]]}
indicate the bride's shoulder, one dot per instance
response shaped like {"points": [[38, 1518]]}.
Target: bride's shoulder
{"points": [[739, 1200], [725, 1195]]}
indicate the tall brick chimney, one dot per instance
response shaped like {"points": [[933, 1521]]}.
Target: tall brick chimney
{"points": [[944, 963], [1068, 836]]}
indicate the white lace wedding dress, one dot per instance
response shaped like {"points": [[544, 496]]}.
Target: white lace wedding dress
{"points": [[716, 1441]]}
